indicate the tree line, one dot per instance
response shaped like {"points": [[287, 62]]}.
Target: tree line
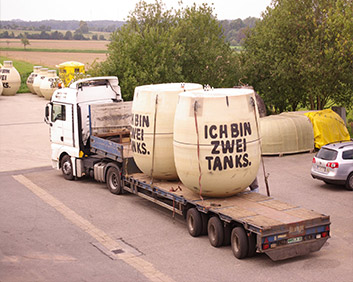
{"points": [[299, 55], [49, 25], [234, 30]]}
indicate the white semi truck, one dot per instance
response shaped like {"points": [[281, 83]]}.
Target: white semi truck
{"points": [[90, 136]]}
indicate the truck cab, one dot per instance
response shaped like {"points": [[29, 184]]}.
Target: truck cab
{"points": [[68, 115]]}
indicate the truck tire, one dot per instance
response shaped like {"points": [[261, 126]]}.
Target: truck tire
{"points": [[239, 242], [113, 180], [194, 222], [251, 245], [349, 182], [66, 167], [215, 231]]}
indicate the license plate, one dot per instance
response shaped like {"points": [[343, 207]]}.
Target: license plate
{"points": [[321, 168], [295, 240]]}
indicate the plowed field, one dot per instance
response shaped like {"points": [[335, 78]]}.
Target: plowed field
{"points": [[56, 44], [51, 59]]}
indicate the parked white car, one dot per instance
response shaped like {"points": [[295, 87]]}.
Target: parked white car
{"points": [[334, 164]]}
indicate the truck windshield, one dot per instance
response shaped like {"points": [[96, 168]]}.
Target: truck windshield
{"points": [[327, 154]]}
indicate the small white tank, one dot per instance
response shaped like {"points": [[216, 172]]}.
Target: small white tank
{"points": [[11, 79], [216, 141], [1, 87], [38, 80], [153, 111], [31, 77], [49, 84]]}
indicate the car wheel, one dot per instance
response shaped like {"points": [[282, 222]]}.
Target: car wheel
{"points": [[349, 182]]}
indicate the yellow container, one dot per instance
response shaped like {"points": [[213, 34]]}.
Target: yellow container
{"points": [[153, 111], [38, 80], [68, 71], [11, 79], [31, 77], [216, 141], [49, 84]]}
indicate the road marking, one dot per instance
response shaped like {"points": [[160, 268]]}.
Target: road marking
{"points": [[103, 238]]}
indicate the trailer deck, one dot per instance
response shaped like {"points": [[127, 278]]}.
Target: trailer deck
{"points": [[279, 225]]}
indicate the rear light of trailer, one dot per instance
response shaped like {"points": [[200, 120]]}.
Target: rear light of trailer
{"points": [[323, 234], [332, 165]]}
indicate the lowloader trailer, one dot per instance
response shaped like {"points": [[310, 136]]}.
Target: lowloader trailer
{"points": [[90, 136]]}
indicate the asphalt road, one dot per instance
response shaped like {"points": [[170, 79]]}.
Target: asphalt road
{"points": [[57, 230]]}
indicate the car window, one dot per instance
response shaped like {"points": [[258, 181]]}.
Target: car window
{"points": [[327, 154], [347, 155]]}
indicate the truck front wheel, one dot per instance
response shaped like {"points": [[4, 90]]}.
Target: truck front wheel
{"points": [[239, 242], [66, 167], [114, 181], [215, 231]]}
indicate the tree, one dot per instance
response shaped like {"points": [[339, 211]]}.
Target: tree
{"points": [[207, 58], [68, 35], [83, 28], [301, 54], [159, 46], [25, 41]]}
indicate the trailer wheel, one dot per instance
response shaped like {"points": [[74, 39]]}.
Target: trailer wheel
{"points": [[215, 231], [66, 167], [252, 245], [114, 181], [239, 242], [194, 222]]}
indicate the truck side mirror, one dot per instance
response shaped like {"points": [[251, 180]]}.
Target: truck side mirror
{"points": [[47, 114]]}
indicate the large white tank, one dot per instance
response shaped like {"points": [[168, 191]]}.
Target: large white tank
{"points": [[38, 80], [216, 141], [11, 79], [49, 84], [31, 77], [153, 111]]}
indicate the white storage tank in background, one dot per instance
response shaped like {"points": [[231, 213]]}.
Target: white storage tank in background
{"points": [[38, 80], [11, 79], [286, 133], [216, 141], [49, 84], [153, 111], [1, 87], [31, 77]]}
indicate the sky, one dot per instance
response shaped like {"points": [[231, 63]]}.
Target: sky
{"points": [[89, 10]]}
